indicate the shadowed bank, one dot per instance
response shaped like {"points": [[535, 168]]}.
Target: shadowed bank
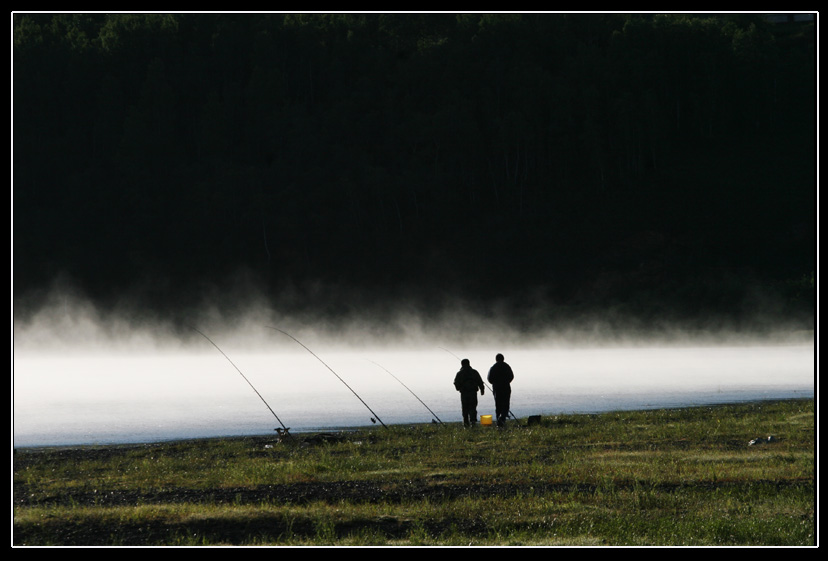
{"points": [[633, 167]]}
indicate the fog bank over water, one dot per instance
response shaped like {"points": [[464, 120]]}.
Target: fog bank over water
{"points": [[66, 324], [108, 377]]}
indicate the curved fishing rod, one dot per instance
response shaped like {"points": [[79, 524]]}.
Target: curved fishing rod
{"points": [[245, 378], [332, 370], [449, 352], [484, 383], [409, 389]]}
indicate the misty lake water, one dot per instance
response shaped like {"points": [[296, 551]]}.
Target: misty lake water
{"points": [[149, 397]]}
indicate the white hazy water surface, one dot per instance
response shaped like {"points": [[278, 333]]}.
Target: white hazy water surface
{"points": [[143, 397]]}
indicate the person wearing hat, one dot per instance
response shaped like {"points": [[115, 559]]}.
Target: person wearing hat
{"points": [[468, 382]]}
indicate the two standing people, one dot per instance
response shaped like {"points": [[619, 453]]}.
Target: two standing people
{"points": [[468, 382]]}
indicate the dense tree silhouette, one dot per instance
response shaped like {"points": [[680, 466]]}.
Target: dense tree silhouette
{"points": [[648, 163]]}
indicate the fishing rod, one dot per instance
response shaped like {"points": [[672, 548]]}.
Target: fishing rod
{"points": [[334, 373], [286, 429], [458, 358], [484, 383], [409, 389], [449, 352]]}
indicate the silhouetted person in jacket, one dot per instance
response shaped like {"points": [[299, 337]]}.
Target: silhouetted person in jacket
{"points": [[500, 377], [468, 382]]}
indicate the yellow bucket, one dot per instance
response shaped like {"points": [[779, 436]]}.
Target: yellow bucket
{"points": [[485, 420]]}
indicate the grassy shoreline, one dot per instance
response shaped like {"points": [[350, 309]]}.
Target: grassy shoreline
{"points": [[683, 476]]}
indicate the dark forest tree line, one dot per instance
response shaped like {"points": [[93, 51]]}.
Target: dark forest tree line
{"points": [[476, 152]]}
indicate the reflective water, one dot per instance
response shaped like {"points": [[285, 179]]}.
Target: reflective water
{"points": [[143, 397]]}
